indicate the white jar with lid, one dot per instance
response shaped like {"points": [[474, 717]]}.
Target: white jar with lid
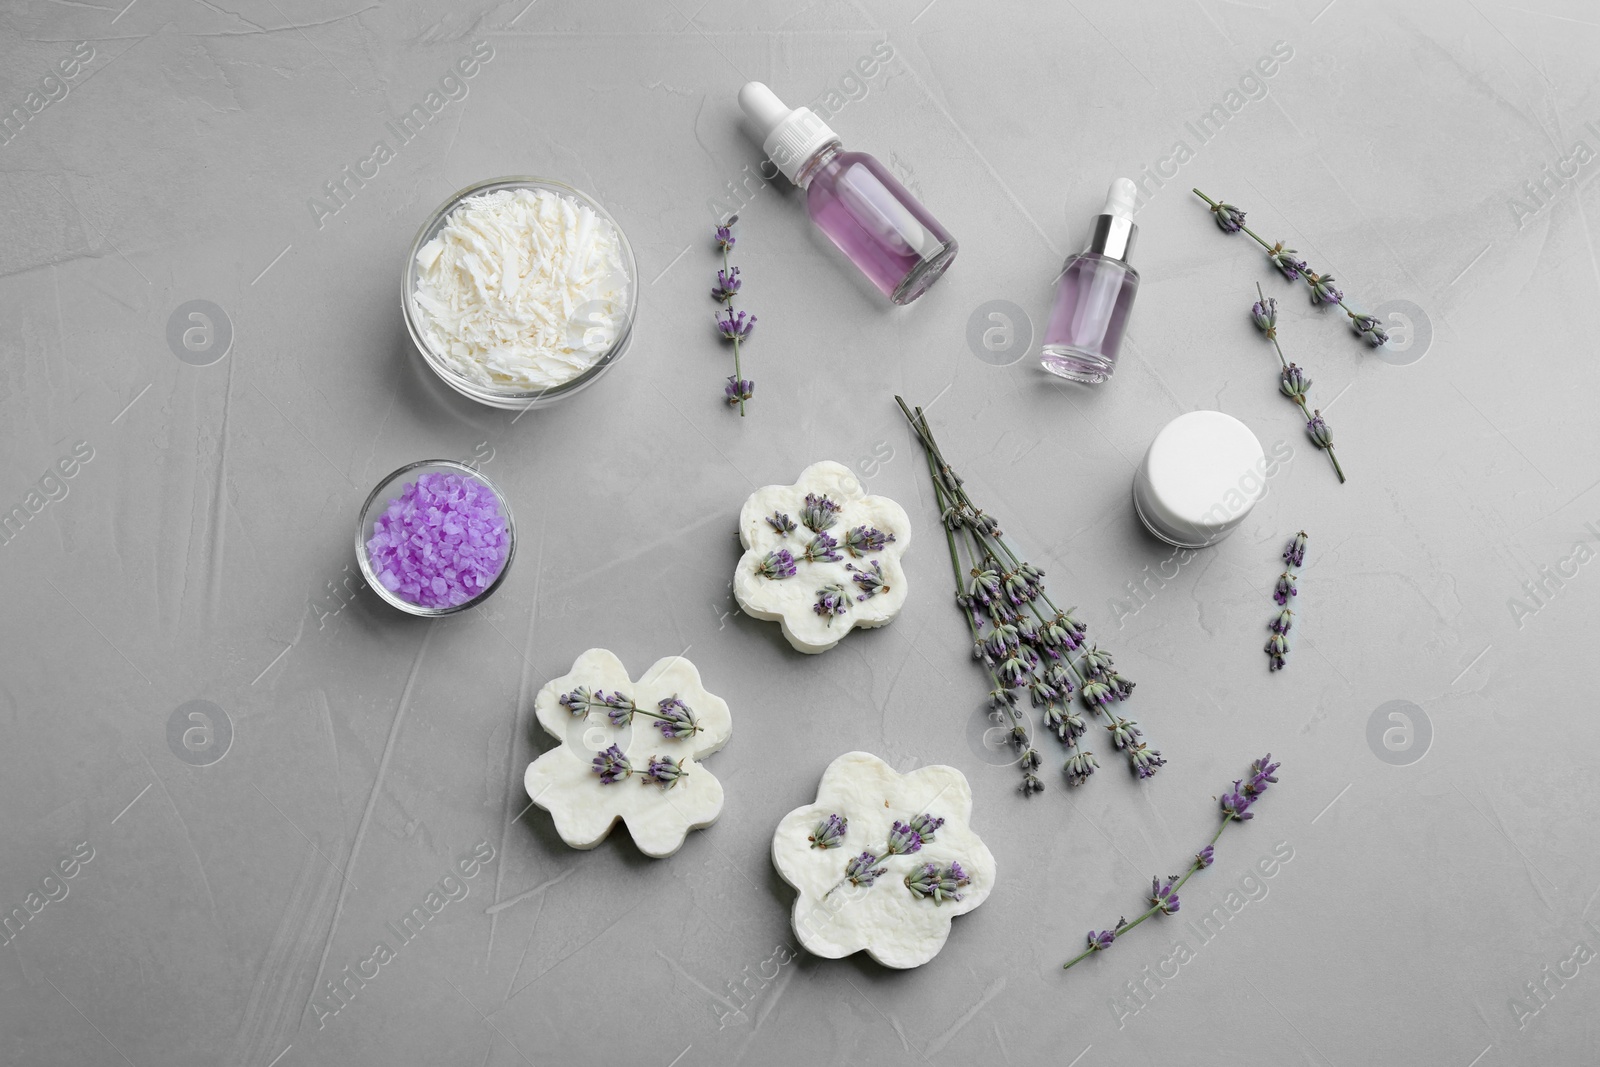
{"points": [[1199, 479]]}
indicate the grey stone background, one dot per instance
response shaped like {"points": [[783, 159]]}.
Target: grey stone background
{"points": [[1427, 154]]}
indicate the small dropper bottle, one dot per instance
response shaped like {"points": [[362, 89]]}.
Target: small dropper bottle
{"points": [[1095, 295], [853, 199]]}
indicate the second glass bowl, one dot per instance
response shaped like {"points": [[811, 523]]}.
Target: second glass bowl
{"points": [[506, 396], [390, 487]]}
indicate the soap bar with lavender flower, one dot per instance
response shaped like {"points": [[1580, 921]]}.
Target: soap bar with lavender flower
{"points": [[821, 557], [883, 861], [629, 750]]}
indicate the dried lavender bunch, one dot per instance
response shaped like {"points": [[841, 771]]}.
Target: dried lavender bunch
{"points": [[1293, 382], [1230, 219], [734, 326], [1294, 554], [1024, 641], [1236, 804]]}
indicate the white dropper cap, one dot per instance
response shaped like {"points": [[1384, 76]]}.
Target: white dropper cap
{"points": [[1120, 199], [790, 137]]}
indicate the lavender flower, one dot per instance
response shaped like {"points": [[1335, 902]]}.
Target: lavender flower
{"points": [[985, 585], [1042, 693], [1263, 772], [1282, 623], [1164, 897], [1013, 670], [1283, 259], [776, 565], [1294, 382], [1277, 649], [1205, 857], [1323, 290], [1144, 761], [675, 720], [871, 582], [1099, 942], [611, 765], [1265, 314], [860, 872], [664, 772], [1096, 661], [1236, 806], [724, 236], [1319, 431], [1285, 589], [579, 702], [1096, 694], [781, 524], [1124, 732], [818, 513], [1004, 640], [620, 709], [727, 286], [1294, 554], [829, 832], [863, 539], [1229, 218], [1018, 589], [926, 825], [1369, 329], [1079, 766], [903, 840], [822, 549], [738, 390], [929, 881], [1067, 724], [831, 600], [1031, 784]]}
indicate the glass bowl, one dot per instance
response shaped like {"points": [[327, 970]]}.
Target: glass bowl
{"points": [[377, 503], [505, 396]]}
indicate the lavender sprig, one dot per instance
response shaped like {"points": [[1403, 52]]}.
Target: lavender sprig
{"points": [[1025, 641], [829, 832], [1235, 804], [1230, 219], [673, 717], [1277, 647], [905, 838], [733, 326], [1293, 382]]}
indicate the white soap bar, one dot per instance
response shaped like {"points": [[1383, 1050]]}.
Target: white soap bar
{"points": [[898, 926], [865, 584], [1199, 479], [566, 783]]}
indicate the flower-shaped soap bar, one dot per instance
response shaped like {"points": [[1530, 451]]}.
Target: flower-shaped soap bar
{"points": [[629, 751], [883, 861], [821, 557]]}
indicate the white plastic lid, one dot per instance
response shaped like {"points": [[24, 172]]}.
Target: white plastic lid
{"points": [[1121, 199], [1199, 479], [791, 137]]}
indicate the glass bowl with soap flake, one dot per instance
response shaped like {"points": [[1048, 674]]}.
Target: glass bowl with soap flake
{"points": [[520, 291]]}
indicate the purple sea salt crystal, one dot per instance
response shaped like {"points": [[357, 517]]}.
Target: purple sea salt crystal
{"points": [[822, 549], [1277, 649], [872, 582], [724, 236], [1282, 623], [675, 719], [441, 543], [735, 325], [781, 524], [1205, 857], [738, 390], [863, 539], [1284, 589], [818, 513], [1164, 897], [860, 872], [1320, 431], [1323, 291], [903, 840], [1229, 218], [727, 284], [611, 765], [831, 600], [829, 832], [776, 565], [663, 772], [1079, 766], [1099, 942], [1294, 554]]}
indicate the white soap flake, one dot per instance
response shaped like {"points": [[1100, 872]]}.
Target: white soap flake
{"points": [[523, 288]]}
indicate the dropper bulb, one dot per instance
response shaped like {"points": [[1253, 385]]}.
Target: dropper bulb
{"points": [[1120, 198], [763, 106]]}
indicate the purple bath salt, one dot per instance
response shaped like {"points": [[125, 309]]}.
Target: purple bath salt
{"points": [[441, 542]]}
